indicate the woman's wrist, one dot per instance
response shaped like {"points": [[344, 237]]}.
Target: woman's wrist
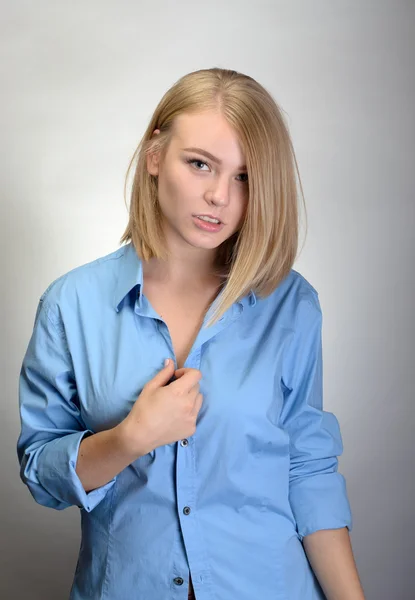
{"points": [[130, 440]]}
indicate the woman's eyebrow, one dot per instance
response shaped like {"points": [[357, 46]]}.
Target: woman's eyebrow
{"points": [[209, 155]]}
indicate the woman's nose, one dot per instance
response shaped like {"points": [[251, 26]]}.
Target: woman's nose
{"points": [[219, 192]]}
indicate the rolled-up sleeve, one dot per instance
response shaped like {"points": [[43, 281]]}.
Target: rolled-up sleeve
{"points": [[51, 424], [317, 491]]}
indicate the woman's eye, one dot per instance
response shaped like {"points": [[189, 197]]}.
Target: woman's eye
{"points": [[201, 162], [195, 160]]}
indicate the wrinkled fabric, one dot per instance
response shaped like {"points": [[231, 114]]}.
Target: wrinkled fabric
{"points": [[233, 502]]}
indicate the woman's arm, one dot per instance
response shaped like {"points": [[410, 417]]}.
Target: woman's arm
{"points": [[330, 554], [102, 456]]}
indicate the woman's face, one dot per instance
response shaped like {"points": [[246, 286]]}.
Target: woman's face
{"points": [[190, 183]]}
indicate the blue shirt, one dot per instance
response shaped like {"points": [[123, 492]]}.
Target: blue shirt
{"points": [[234, 501]]}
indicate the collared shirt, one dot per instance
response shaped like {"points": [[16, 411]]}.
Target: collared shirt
{"points": [[232, 502]]}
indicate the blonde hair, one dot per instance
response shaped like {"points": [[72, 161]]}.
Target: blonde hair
{"points": [[261, 254]]}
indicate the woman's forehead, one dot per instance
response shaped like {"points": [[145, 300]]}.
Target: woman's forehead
{"points": [[210, 133]]}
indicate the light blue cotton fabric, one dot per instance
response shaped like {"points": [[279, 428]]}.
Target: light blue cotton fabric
{"points": [[234, 501]]}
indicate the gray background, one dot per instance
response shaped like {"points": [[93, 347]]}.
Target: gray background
{"points": [[79, 83]]}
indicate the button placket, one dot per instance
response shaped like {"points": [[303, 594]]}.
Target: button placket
{"points": [[186, 495]]}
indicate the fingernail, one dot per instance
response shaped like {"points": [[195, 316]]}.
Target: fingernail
{"points": [[166, 362]]}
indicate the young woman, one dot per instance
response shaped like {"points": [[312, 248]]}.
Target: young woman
{"points": [[214, 476]]}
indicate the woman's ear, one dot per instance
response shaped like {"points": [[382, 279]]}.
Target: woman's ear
{"points": [[153, 159], [153, 163]]}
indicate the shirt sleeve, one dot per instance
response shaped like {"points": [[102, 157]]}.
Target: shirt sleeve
{"points": [[51, 424], [317, 491]]}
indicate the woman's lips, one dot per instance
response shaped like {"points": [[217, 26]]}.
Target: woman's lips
{"points": [[206, 226]]}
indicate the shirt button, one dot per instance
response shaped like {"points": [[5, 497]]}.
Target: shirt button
{"points": [[186, 510], [178, 581], [184, 443]]}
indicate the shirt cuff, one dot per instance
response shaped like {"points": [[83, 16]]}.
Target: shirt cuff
{"points": [[58, 477], [320, 502]]}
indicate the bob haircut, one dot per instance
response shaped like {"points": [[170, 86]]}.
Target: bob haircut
{"points": [[261, 253]]}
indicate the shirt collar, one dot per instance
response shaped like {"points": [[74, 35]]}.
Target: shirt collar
{"points": [[252, 298], [131, 276]]}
